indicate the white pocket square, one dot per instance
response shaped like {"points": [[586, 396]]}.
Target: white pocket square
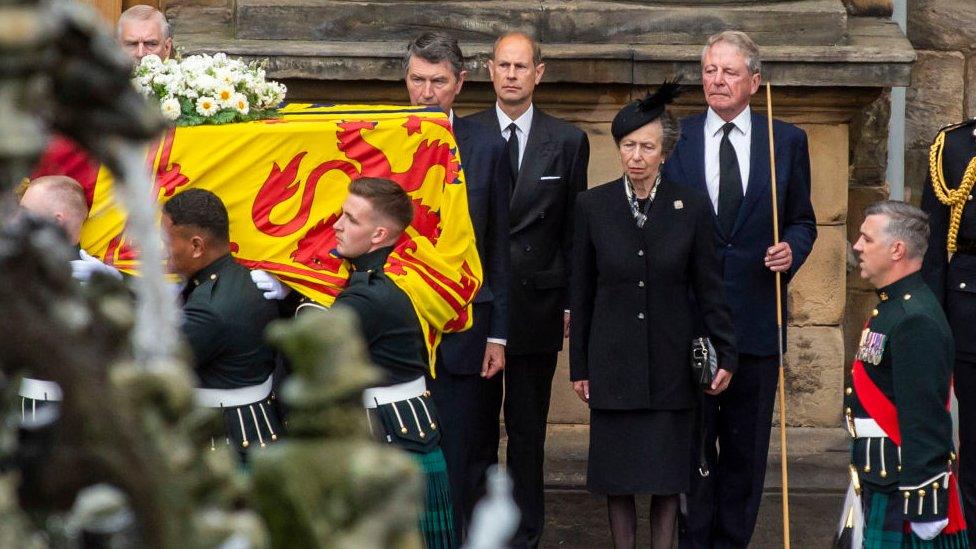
{"points": [[678, 204], [550, 177]]}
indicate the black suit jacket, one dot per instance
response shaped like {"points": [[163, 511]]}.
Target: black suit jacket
{"points": [[750, 286], [953, 282], [633, 292], [488, 178], [540, 220]]}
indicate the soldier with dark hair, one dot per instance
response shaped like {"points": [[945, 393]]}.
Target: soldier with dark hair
{"points": [[224, 317]]}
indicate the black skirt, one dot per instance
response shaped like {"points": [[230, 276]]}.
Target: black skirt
{"points": [[639, 451]]}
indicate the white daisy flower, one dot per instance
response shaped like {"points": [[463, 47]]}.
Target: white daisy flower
{"points": [[240, 103], [171, 108], [207, 106], [225, 95]]}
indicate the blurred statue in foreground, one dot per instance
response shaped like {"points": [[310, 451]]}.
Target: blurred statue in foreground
{"points": [[123, 460], [329, 484]]}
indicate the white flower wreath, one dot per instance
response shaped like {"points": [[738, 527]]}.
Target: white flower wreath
{"points": [[204, 89]]}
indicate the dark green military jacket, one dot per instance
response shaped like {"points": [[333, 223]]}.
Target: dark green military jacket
{"points": [[224, 317], [387, 318], [907, 355]]}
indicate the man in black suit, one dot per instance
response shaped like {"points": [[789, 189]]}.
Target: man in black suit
{"points": [[725, 153], [548, 160], [950, 270], [466, 389]]}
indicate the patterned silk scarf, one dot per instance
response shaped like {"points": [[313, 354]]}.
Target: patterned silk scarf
{"points": [[640, 215]]}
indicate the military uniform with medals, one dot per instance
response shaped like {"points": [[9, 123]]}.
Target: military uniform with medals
{"points": [[224, 318], [896, 412], [950, 270]]}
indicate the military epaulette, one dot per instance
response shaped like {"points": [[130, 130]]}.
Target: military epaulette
{"points": [[950, 127], [203, 288]]}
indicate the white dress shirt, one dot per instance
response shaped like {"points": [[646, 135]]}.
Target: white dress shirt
{"points": [[741, 139], [522, 125]]}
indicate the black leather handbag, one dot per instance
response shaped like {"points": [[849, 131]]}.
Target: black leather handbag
{"points": [[704, 366], [704, 362]]}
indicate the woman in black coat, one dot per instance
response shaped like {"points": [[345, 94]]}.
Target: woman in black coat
{"points": [[645, 279]]}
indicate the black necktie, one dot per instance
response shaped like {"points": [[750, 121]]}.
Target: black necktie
{"points": [[729, 183], [513, 151]]}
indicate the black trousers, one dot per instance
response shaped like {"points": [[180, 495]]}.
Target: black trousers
{"points": [[722, 508], [965, 387], [528, 388], [468, 406]]}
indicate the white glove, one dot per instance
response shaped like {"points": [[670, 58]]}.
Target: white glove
{"points": [[928, 530], [271, 286], [83, 269]]}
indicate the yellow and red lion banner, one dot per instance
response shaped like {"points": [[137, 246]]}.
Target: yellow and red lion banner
{"points": [[283, 182]]}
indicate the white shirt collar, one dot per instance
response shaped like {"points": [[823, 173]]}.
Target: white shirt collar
{"points": [[524, 122], [450, 116], [714, 122]]}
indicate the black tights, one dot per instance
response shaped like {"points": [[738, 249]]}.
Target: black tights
{"points": [[623, 521]]}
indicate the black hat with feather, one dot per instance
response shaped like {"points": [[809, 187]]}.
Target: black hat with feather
{"points": [[644, 111]]}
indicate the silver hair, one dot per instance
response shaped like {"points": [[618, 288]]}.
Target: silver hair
{"points": [[742, 42], [906, 223], [435, 47], [142, 12]]}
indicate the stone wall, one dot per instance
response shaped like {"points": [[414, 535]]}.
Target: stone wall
{"points": [[830, 78], [816, 344], [943, 89]]}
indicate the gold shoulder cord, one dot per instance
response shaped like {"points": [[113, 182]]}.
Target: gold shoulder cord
{"points": [[954, 198]]}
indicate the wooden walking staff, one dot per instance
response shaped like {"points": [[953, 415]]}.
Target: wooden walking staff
{"points": [[779, 326]]}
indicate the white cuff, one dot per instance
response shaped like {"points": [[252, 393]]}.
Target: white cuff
{"points": [[498, 341], [928, 530]]}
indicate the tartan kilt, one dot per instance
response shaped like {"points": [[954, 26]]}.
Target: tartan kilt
{"points": [[437, 517], [886, 528]]}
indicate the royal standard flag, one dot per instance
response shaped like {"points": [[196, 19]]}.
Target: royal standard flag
{"points": [[283, 182]]}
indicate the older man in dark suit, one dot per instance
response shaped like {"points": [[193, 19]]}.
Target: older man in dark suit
{"points": [[725, 152], [548, 159], [466, 389]]}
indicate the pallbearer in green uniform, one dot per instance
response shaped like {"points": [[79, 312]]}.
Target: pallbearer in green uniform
{"points": [[60, 199], [896, 409], [224, 318], [401, 411]]}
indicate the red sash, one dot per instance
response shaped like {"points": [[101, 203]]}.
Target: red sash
{"points": [[875, 403], [883, 411]]}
